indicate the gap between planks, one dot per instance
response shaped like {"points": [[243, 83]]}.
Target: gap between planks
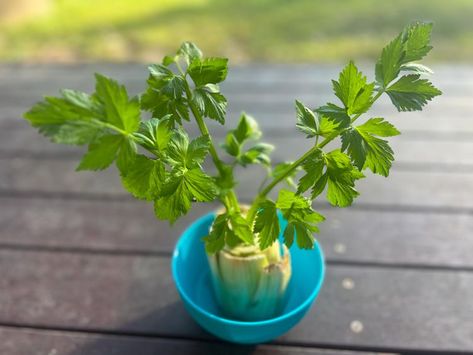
{"points": [[288, 345]]}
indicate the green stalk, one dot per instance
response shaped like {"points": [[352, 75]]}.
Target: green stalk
{"points": [[231, 196], [262, 195]]}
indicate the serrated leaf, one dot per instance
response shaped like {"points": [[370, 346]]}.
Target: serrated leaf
{"points": [[197, 151], [352, 90], [241, 228], [259, 153], [211, 102], [215, 240], [341, 177], [354, 145], [72, 132], [302, 220], [231, 229], [313, 167], [267, 224], [389, 63], [166, 81], [411, 93], [70, 119], [327, 127], [247, 129], [379, 127], [101, 153], [334, 113], [120, 110], [161, 105], [189, 51], [126, 154], [143, 177], [231, 145], [155, 134], [181, 153], [413, 43], [416, 38], [208, 70], [180, 189], [368, 151], [307, 122]]}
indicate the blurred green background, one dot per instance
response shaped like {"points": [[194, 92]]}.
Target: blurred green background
{"points": [[246, 31]]}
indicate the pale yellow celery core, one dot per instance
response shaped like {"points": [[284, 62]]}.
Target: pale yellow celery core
{"points": [[250, 284]]}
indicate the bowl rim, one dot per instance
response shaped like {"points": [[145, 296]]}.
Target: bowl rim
{"points": [[300, 308]]}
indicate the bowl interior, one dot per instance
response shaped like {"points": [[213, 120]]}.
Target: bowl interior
{"points": [[192, 273]]}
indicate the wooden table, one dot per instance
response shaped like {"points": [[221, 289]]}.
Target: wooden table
{"points": [[85, 268]]}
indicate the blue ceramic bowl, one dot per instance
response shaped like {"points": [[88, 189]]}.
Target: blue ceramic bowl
{"points": [[192, 277]]}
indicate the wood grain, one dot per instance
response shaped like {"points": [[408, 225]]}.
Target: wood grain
{"points": [[399, 309], [21, 341], [439, 240]]}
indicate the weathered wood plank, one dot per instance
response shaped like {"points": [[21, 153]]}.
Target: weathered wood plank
{"points": [[410, 153], [264, 75], [375, 236], [18, 341], [134, 294], [405, 188]]}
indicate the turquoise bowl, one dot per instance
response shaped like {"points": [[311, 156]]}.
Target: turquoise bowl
{"points": [[191, 274]]}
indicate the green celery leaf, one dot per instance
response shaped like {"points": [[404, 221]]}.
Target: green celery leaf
{"points": [[180, 189], [181, 153], [215, 240], [120, 111], [302, 219], [313, 167], [355, 146], [70, 119], [176, 153], [341, 177], [211, 102], [410, 93], [200, 185], [379, 127], [189, 51], [161, 105], [352, 89], [231, 145], [307, 122], [267, 224], [388, 66], [143, 177], [416, 38], [155, 134], [334, 113], [289, 200], [166, 81], [231, 229], [241, 228], [126, 154], [208, 70], [413, 43], [258, 154], [101, 153], [327, 127], [197, 151], [247, 129], [368, 151]]}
